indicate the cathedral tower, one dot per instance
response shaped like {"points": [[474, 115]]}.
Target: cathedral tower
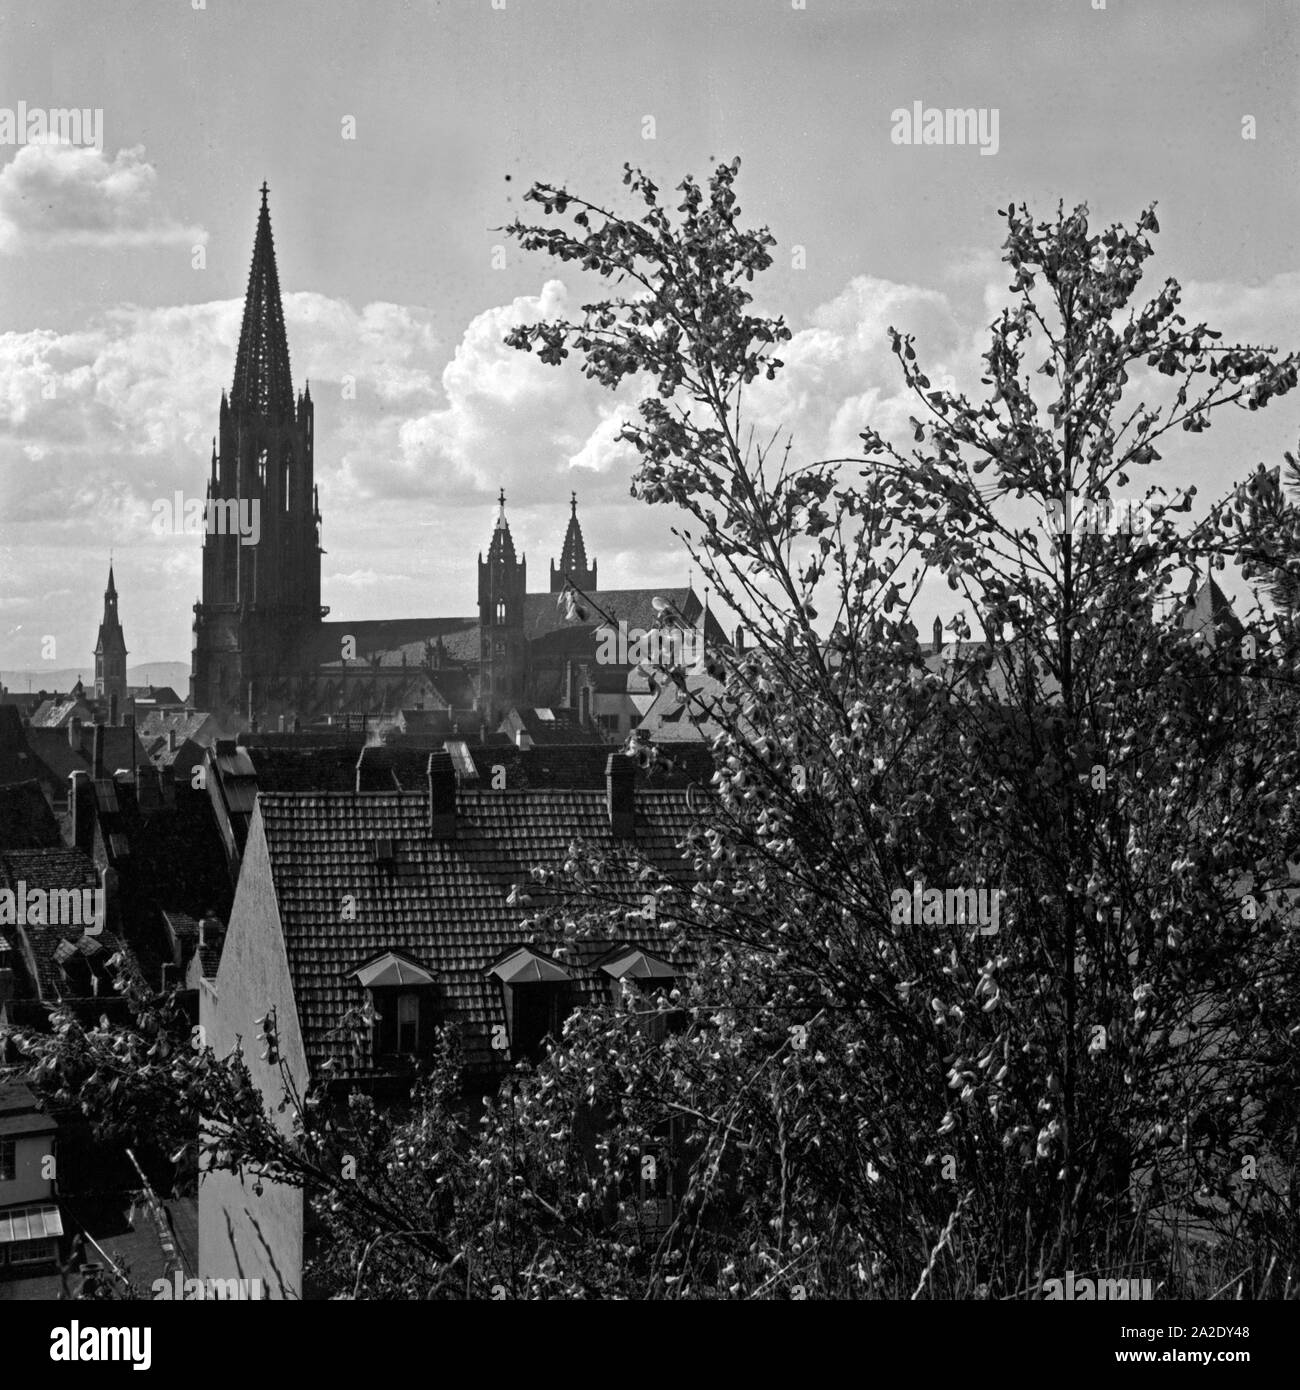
{"points": [[110, 654], [261, 547], [502, 583], [573, 558]]}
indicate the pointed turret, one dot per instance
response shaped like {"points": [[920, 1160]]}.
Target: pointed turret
{"points": [[572, 568], [263, 384]]}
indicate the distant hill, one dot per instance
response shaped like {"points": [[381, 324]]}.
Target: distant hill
{"points": [[173, 673]]}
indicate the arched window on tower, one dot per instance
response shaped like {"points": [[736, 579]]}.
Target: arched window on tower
{"points": [[501, 611], [261, 469]]}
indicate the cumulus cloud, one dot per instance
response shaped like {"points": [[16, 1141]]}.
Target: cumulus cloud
{"points": [[414, 438], [54, 194], [508, 418], [123, 411]]}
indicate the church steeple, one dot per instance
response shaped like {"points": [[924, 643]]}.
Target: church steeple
{"points": [[502, 547], [261, 549], [263, 384], [573, 557], [110, 652], [502, 586]]}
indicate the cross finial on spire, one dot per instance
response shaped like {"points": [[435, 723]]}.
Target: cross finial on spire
{"points": [[265, 191], [501, 498], [573, 502]]}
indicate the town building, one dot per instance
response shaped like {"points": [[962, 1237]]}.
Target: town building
{"points": [[413, 908], [30, 1223], [263, 650]]}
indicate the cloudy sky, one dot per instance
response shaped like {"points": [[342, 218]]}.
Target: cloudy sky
{"points": [[122, 268]]}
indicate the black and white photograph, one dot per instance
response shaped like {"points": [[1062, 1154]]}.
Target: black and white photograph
{"points": [[649, 651]]}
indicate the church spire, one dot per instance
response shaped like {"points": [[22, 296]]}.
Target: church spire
{"points": [[263, 385], [573, 556], [503, 545], [110, 653]]}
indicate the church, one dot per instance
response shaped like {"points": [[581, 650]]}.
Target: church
{"points": [[263, 651]]}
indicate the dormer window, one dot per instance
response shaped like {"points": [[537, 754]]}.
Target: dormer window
{"points": [[536, 995], [401, 994], [639, 980]]}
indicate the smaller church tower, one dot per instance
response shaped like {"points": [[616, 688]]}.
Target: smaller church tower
{"points": [[110, 653], [502, 584], [573, 558]]}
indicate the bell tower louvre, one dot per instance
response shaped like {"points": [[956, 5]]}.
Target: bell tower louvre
{"points": [[261, 545]]}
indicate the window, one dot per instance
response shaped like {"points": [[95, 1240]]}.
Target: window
{"points": [[7, 1168], [608, 722], [408, 1023], [535, 994], [644, 984], [537, 1016], [401, 993], [402, 1028]]}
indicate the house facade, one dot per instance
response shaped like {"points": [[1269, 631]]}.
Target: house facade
{"points": [[408, 909]]}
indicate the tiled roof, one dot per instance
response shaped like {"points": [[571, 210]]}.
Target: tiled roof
{"points": [[404, 767], [154, 694], [633, 606], [20, 1112], [58, 712], [444, 903], [48, 951], [52, 748], [561, 727], [26, 821]]}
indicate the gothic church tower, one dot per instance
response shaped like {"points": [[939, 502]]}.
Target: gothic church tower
{"points": [[110, 654], [502, 583], [262, 598]]}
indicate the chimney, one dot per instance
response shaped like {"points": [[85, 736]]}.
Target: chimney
{"points": [[171, 739], [620, 782], [129, 722], [99, 752], [442, 796], [282, 723], [740, 639], [81, 803], [938, 634], [74, 734], [297, 725]]}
